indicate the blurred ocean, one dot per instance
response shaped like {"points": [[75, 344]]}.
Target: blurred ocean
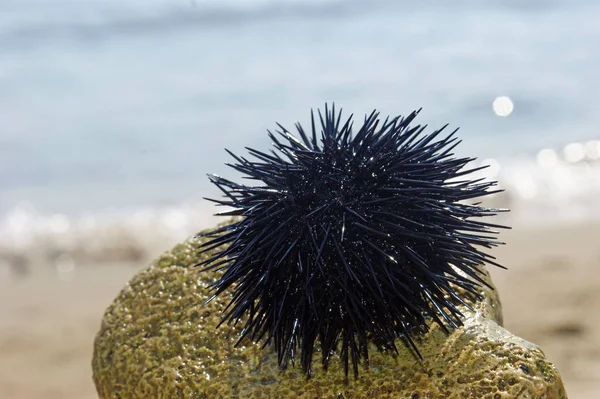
{"points": [[112, 112]]}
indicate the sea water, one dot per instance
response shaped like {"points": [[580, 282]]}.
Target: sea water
{"points": [[116, 110]]}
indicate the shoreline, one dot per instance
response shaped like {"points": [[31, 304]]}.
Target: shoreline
{"points": [[35, 243]]}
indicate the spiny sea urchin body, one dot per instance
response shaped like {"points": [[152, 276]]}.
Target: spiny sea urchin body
{"points": [[349, 237]]}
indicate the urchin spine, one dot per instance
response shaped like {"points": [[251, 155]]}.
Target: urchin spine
{"points": [[349, 237]]}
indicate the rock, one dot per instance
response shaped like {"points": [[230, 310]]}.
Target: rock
{"points": [[158, 341]]}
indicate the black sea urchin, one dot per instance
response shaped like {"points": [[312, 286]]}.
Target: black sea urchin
{"points": [[350, 237]]}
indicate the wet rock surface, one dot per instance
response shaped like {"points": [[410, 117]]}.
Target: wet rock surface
{"points": [[158, 340]]}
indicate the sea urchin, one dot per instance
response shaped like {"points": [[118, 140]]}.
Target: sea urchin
{"points": [[350, 237]]}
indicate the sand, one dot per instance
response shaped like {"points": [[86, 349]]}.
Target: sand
{"points": [[550, 294]]}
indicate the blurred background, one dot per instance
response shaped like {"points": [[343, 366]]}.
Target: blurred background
{"points": [[112, 112]]}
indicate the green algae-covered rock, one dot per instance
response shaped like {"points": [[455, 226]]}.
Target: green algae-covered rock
{"points": [[158, 341]]}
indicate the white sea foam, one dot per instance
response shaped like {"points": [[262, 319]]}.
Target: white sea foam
{"points": [[535, 193], [552, 188]]}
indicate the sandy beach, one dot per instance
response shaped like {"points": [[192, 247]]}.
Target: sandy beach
{"points": [[550, 295]]}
